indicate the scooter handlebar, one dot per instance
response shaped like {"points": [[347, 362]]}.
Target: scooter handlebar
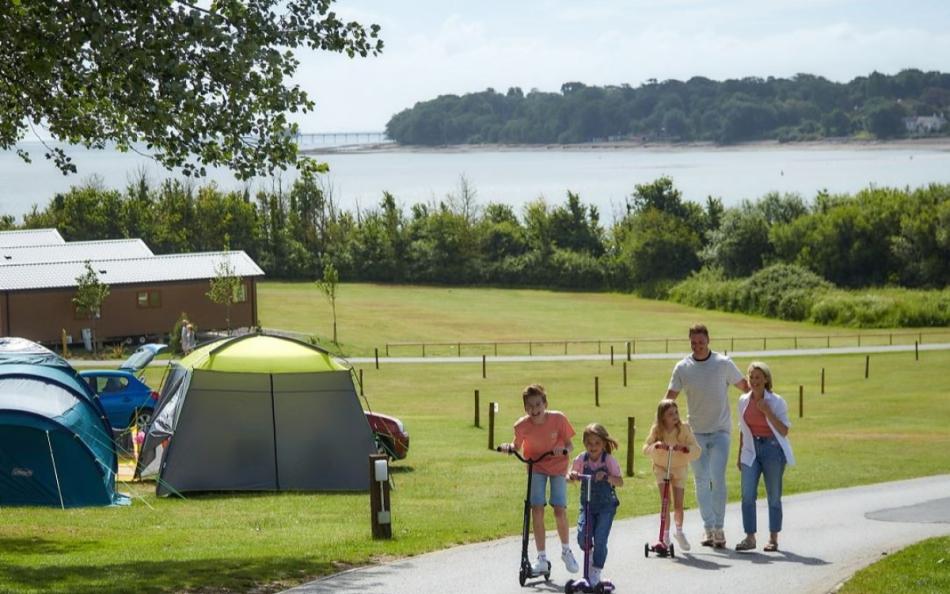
{"points": [[510, 450]]}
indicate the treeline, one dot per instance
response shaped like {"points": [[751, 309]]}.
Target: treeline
{"points": [[877, 237], [805, 107]]}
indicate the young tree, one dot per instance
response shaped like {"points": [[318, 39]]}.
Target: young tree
{"points": [[225, 287], [197, 83], [328, 285], [90, 294]]}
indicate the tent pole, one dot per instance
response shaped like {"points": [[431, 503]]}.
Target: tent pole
{"points": [[55, 473]]}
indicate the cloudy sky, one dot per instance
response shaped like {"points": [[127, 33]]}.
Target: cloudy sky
{"points": [[435, 47]]}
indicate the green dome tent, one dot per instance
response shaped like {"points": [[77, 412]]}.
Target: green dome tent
{"points": [[257, 413]]}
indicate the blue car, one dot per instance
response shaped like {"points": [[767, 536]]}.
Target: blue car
{"points": [[127, 399]]}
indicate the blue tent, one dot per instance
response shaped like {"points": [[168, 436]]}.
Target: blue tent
{"points": [[55, 441]]}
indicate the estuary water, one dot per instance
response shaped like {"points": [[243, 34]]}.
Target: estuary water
{"points": [[604, 177]]}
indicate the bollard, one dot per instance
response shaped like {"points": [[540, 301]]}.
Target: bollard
{"points": [[631, 436], [624, 374], [822, 380], [492, 409], [380, 516], [801, 401], [376, 354], [867, 365], [477, 410], [611, 355], [483, 367], [596, 391]]}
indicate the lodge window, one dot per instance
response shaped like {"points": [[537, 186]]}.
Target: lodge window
{"points": [[152, 298]]}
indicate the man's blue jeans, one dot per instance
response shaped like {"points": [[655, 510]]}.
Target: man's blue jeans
{"points": [[710, 473], [769, 463]]}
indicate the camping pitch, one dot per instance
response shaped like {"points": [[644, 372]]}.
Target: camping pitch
{"points": [[257, 413], [56, 446]]}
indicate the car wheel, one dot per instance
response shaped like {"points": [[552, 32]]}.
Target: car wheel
{"points": [[141, 419]]}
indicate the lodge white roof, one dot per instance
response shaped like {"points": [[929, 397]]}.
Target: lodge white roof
{"points": [[122, 271], [74, 250], [30, 237]]}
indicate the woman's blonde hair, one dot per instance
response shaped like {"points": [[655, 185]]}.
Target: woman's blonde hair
{"points": [[765, 371], [610, 444]]}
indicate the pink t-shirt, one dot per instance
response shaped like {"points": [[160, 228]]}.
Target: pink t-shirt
{"points": [[609, 464], [535, 439], [757, 422]]}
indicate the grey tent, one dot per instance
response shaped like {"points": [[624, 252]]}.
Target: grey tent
{"points": [[258, 413]]}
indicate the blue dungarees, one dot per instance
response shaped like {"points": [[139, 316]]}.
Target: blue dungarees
{"points": [[603, 507]]}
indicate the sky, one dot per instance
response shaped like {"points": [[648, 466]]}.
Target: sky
{"points": [[436, 47]]}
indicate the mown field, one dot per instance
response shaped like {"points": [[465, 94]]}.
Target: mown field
{"points": [[452, 489], [370, 316]]}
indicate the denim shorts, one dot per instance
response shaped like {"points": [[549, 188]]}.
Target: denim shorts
{"points": [[558, 489]]}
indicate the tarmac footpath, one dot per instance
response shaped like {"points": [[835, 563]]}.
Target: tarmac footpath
{"points": [[827, 536]]}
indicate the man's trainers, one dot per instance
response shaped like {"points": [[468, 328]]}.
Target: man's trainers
{"points": [[681, 540], [541, 566], [707, 540], [719, 538], [569, 561]]}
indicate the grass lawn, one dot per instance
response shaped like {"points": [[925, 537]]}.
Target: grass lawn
{"points": [[452, 489], [371, 315], [923, 568]]}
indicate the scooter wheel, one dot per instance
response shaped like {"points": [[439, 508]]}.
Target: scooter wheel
{"points": [[547, 574], [522, 577], [672, 551], [569, 587], [646, 549]]}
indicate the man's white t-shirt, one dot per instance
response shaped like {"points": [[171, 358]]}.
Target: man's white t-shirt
{"points": [[706, 384]]}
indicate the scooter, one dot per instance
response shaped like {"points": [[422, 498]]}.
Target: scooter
{"points": [[527, 571], [661, 548], [583, 584]]}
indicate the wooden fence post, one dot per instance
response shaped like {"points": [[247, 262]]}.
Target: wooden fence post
{"points": [[801, 401], [611, 355], [484, 371], [867, 365], [822, 380], [916, 351], [477, 410], [596, 391], [624, 374], [628, 350], [631, 436], [376, 353], [491, 424], [361, 381]]}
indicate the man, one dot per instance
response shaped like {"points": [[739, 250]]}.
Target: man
{"points": [[706, 376]]}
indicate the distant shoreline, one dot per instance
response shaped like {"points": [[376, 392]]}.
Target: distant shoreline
{"points": [[932, 144]]}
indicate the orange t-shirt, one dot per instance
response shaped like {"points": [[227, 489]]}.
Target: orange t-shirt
{"points": [[756, 421], [535, 439]]}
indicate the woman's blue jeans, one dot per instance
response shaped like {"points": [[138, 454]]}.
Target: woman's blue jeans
{"points": [[769, 463]]}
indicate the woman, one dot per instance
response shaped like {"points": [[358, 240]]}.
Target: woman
{"points": [[764, 451]]}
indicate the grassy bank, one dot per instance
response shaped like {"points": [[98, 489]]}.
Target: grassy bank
{"points": [[370, 315], [919, 569], [452, 489]]}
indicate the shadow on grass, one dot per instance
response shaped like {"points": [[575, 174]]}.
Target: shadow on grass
{"points": [[147, 577], [41, 546], [401, 469]]}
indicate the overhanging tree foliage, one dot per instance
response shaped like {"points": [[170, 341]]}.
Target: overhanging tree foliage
{"points": [[197, 85]]}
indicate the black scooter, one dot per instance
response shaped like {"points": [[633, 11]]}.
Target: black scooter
{"points": [[527, 571]]}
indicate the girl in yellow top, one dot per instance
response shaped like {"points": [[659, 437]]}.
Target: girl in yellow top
{"points": [[670, 432]]}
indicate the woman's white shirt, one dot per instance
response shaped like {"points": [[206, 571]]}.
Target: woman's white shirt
{"points": [[779, 409]]}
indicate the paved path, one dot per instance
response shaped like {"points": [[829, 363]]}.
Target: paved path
{"points": [[828, 536], [943, 346]]}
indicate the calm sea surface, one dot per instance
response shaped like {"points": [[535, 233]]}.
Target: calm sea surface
{"points": [[603, 177]]}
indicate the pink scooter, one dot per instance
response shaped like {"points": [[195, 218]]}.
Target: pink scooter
{"points": [[661, 548], [583, 584]]}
